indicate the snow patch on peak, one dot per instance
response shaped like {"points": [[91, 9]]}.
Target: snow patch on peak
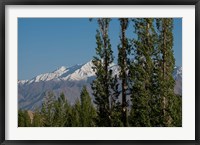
{"points": [[83, 72], [61, 69], [22, 82], [43, 77], [177, 72], [50, 76]]}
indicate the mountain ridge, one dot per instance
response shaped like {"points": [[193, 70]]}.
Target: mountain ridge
{"points": [[68, 80]]}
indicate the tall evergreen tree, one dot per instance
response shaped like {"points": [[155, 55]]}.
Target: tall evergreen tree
{"points": [[21, 120], [167, 64], [37, 119], [102, 85], [75, 117], [24, 118], [27, 119], [88, 112], [62, 110], [123, 52], [176, 111], [141, 72], [116, 106], [48, 110]]}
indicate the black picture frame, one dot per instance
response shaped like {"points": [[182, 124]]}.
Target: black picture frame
{"points": [[3, 4]]}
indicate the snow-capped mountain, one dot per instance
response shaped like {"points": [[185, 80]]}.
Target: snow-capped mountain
{"points": [[59, 74], [78, 72], [177, 72], [178, 78], [68, 80], [85, 71]]}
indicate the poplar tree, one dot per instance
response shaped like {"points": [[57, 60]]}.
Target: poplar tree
{"points": [[116, 106], [103, 84], [141, 72], [123, 52], [170, 109]]}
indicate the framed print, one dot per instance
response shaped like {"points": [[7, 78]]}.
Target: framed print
{"points": [[84, 72]]}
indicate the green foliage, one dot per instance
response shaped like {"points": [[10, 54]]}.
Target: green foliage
{"points": [[62, 111], [103, 84], [76, 111], [141, 72], [23, 119], [48, 110], [124, 49], [87, 111], [37, 119], [170, 102], [176, 111], [154, 102], [59, 113]]}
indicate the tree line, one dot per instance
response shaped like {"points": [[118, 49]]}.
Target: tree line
{"points": [[142, 95], [57, 112]]}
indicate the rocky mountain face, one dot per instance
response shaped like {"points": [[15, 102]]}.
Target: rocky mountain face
{"points": [[68, 80]]}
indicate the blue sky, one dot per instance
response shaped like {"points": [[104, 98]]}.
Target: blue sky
{"points": [[45, 44]]}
